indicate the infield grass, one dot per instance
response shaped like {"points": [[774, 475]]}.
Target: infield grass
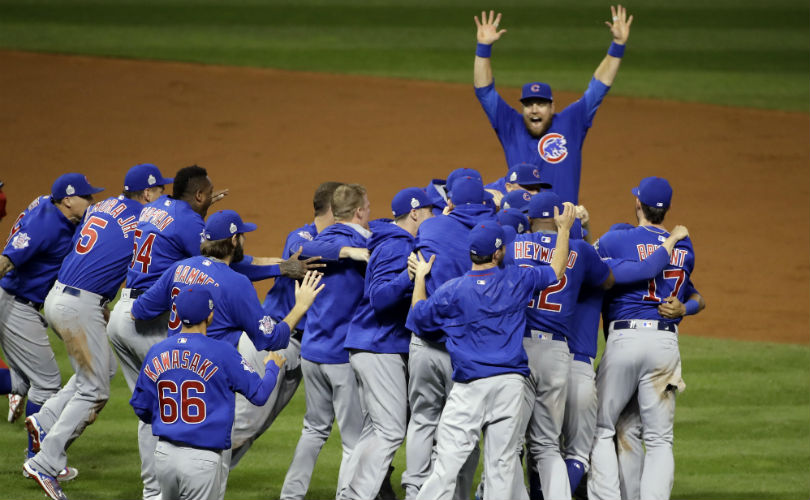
{"points": [[731, 52], [741, 431]]}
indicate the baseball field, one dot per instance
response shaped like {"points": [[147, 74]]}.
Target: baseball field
{"points": [[275, 97]]}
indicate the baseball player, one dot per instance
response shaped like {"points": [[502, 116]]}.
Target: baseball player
{"points": [[194, 377], [378, 344], [523, 176], [429, 369], [38, 242], [76, 308], [513, 218], [517, 200], [331, 387], [641, 353], [548, 317], [483, 315], [536, 134]]}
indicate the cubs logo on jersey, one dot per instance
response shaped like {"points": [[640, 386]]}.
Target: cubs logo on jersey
{"points": [[552, 147]]}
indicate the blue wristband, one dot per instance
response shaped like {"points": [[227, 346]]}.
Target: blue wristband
{"points": [[483, 50], [692, 307], [616, 50]]}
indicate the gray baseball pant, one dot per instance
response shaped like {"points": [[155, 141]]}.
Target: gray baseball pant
{"points": [[644, 359], [24, 339], [549, 361], [187, 473], [630, 450], [500, 407], [131, 341], [331, 391], [383, 384], [429, 384], [79, 320], [579, 423]]}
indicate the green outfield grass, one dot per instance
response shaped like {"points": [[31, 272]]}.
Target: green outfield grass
{"points": [[741, 431], [731, 52]]}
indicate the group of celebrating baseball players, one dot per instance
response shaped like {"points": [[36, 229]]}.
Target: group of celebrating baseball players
{"points": [[473, 311]]}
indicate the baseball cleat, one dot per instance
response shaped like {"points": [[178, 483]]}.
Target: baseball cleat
{"points": [[15, 406], [35, 432], [49, 484], [66, 474]]}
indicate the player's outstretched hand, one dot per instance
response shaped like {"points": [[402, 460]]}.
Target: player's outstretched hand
{"points": [[672, 308], [359, 254], [275, 357], [423, 266], [620, 27], [679, 232], [488, 32], [565, 220], [296, 269], [581, 213], [308, 289], [497, 196], [218, 195], [412, 266]]}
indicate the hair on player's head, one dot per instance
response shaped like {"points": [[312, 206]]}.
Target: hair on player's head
{"points": [[346, 199], [217, 249], [481, 259], [322, 200], [654, 215], [188, 181]]}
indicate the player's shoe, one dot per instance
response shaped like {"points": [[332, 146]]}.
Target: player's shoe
{"points": [[49, 484], [35, 432], [66, 474], [16, 405]]}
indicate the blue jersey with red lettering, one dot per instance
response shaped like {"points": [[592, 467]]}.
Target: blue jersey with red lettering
{"points": [[237, 308], [559, 150], [640, 299], [483, 314], [168, 231], [37, 245], [280, 298], [551, 309], [102, 248], [186, 386]]}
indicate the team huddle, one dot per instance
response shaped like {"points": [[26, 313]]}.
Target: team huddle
{"points": [[472, 314]]}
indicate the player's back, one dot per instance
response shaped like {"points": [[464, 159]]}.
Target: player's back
{"points": [[280, 298], [102, 248], [640, 300], [168, 230]]}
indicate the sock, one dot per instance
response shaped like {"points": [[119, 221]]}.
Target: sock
{"points": [[5, 380], [576, 470], [535, 488], [30, 409]]}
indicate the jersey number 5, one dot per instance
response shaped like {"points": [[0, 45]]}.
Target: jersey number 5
{"points": [[679, 275], [89, 235], [189, 408]]}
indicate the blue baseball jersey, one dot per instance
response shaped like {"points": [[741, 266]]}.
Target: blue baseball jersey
{"points": [[329, 317], [37, 245], [559, 150], [551, 309], [102, 248], [186, 386], [483, 314], [640, 299], [280, 298], [168, 231], [237, 307], [379, 320]]}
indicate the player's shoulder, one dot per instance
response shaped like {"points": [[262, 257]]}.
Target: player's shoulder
{"points": [[307, 232]]}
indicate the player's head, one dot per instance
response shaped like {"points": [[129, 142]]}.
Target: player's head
{"points": [[513, 218], [538, 107], [458, 174], [541, 210], [195, 308], [192, 185], [653, 197], [487, 241], [224, 236], [72, 193], [350, 204], [517, 199], [322, 199], [410, 207], [466, 191], [525, 176], [145, 183]]}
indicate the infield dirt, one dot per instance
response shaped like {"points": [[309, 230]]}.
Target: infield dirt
{"points": [[740, 175]]}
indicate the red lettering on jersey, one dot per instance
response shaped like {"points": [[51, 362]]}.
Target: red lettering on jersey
{"points": [[157, 365], [572, 259], [545, 254], [642, 252], [651, 248], [193, 275], [678, 257], [195, 361], [117, 210], [166, 360], [203, 367], [211, 373], [201, 279], [209, 281], [149, 373], [184, 357], [183, 273], [165, 223], [175, 359]]}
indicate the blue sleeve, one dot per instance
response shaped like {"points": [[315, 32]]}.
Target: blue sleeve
{"points": [[157, 299], [630, 271], [143, 398], [247, 382], [389, 282], [328, 251], [592, 98], [24, 244], [427, 317], [497, 110], [596, 271], [256, 272], [266, 334], [541, 277]]}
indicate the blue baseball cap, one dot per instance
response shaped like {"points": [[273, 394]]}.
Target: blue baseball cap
{"points": [[409, 199], [72, 185], [462, 172], [467, 190], [536, 90], [193, 304], [653, 192], [487, 237], [517, 199], [526, 174], [514, 218], [224, 224], [143, 176], [542, 205]]}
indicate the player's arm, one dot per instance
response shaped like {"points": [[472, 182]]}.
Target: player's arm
{"points": [[427, 316], [256, 389], [630, 271], [488, 34], [672, 308], [620, 30], [420, 268], [388, 278], [305, 292], [563, 221], [144, 398], [157, 299], [5, 265]]}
